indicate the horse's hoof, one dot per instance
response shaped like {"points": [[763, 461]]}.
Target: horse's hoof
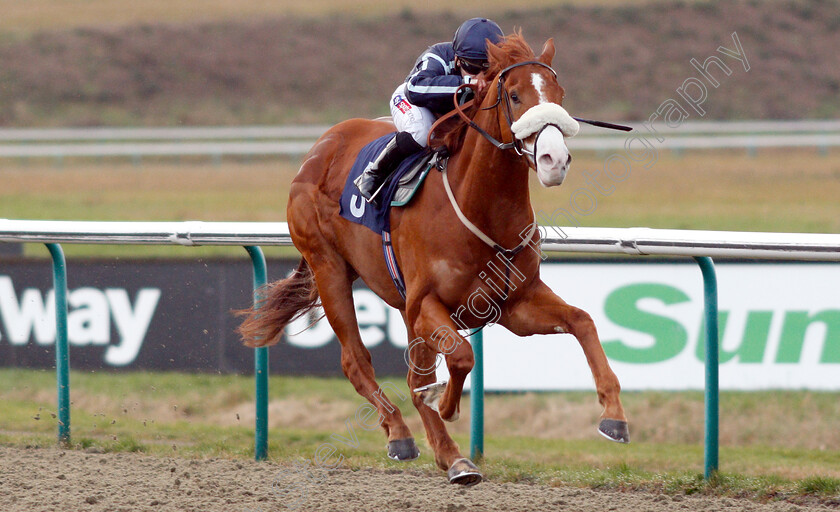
{"points": [[464, 472], [403, 450], [614, 430], [431, 394]]}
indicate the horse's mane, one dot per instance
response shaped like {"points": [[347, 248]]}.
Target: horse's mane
{"points": [[513, 49]]}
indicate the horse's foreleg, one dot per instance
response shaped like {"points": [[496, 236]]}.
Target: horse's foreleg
{"points": [[438, 331], [421, 372], [422, 362], [541, 311], [335, 288]]}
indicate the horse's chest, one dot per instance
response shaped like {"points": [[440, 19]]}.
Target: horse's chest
{"points": [[459, 284], [452, 278]]}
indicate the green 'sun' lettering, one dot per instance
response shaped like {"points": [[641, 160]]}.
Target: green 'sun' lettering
{"points": [[793, 335], [753, 344], [670, 337]]}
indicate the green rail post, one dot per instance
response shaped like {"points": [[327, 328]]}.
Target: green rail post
{"points": [[62, 352], [477, 399], [260, 364], [712, 361]]}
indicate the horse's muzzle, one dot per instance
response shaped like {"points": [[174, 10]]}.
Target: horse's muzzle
{"points": [[551, 156]]}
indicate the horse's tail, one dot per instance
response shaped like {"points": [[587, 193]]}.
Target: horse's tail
{"points": [[280, 302]]}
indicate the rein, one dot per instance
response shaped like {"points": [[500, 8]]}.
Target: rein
{"points": [[503, 95], [502, 99]]}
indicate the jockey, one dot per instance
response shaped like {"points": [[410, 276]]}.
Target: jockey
{"points": [[427, 94]]}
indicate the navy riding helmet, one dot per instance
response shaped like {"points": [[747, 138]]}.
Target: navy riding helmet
{"points": [[469, 41]]}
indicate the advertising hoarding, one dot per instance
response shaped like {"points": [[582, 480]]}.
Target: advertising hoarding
{"points": [[779, 324]]}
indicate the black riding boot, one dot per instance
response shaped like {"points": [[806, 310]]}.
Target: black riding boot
{"points": [[371, 180]]}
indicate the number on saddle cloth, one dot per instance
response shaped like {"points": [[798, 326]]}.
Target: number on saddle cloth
{"points": [[399, 189]]}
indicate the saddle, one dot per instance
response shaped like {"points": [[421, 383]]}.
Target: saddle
{"points": [[409, 183], [398, 191]]}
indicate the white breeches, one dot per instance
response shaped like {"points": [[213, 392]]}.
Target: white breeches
{"points": [[410, 118]]}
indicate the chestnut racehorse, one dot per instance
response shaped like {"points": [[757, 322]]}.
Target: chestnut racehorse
{"points": [[475, 212]]}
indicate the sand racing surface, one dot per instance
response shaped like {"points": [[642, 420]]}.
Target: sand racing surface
{"points": [[50, 479]]}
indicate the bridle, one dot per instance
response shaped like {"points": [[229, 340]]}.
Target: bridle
{"points": [[503, 99]]}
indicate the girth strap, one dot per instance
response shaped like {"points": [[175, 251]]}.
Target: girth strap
{"points": [[391, 263]]}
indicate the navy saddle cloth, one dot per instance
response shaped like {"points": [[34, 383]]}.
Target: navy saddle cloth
{"points": [[398, 190]]}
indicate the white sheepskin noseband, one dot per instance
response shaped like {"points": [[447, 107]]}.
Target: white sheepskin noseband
{"points": [[541, 115]]}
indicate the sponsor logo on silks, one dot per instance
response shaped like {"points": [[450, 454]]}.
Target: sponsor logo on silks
{"points": [[759, 340], [91, 313], [401, 103]]}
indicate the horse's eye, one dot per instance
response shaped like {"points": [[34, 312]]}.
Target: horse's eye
{"points": [[514, 97]]}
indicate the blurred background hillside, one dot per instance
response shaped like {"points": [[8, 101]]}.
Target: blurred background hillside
{"points": [[156, 63], [182, 63]]}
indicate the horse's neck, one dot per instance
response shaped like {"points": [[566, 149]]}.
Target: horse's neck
{"points": [[491, 187]]}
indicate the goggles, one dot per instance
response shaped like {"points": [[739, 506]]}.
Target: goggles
{"points": [[473, 67]]}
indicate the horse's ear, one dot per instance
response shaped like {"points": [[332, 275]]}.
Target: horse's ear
{"points": [[495, 53], [548, 52]]}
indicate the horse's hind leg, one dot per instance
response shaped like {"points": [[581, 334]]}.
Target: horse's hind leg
{"points": [[546, 313], [334, 282]]}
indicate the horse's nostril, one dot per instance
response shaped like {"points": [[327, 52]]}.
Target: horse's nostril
{"points": [[569, 160], [546, 161]]}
